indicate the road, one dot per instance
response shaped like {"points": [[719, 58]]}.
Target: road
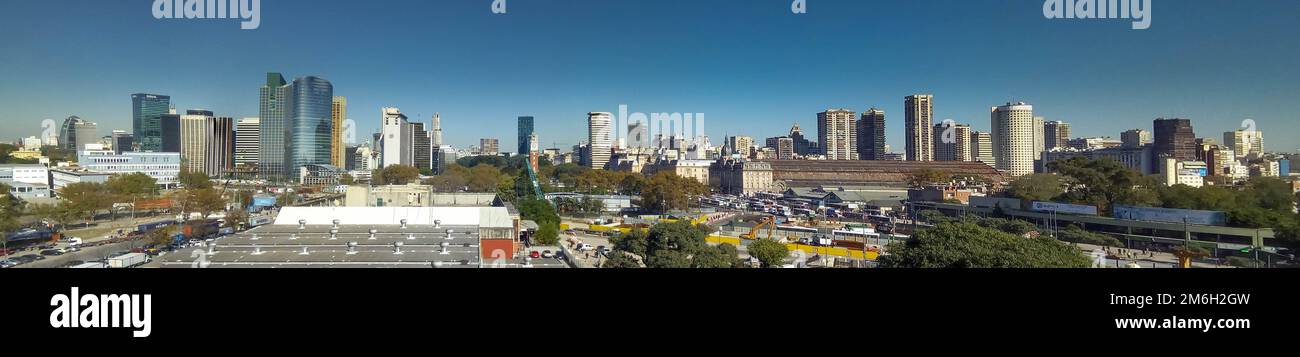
{"points": [[85, 255]]}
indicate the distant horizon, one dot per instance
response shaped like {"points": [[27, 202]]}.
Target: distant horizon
{"points": [[753, 68]]}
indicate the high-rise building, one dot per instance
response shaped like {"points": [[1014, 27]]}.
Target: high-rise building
{"points": [[75, 133], [1174, 138], [599, 125], [421, 153], [981, 144], [196, 139], [311, 131], [446, 156], [1135, 138], [171, 131], [1012, 136], [871, 135], [490, 147], [837, 134], [394, 148], [246, 141], [952, 143], [435, 145], [123, 142], [338, 114], [146, 120], [436, 132], [919, 119], [273, 110], [221, 150], [739, 145], [1040, 137], [802, 146], [1244, 143], [526, 132], [1057, 134], [783, 146]]}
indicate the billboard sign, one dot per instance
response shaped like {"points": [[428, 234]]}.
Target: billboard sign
{"points": [[1064, 208], [1169, 215]]}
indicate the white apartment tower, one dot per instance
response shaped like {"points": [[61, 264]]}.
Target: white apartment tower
{"points": [[599, 126], [919, 116], [1013, 138], [394, 148], [837, 133]]}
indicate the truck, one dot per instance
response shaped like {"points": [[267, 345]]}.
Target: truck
{"points": [[259, 221], [129, 260], [149, 227]]}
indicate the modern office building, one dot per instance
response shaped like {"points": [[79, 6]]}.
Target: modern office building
{"points": [[395, 149], [739, 145], [221, 150], [163, 167], [1135, 138], [273, 109], [919, 119], [421, 152], [490, 147], [837, 134], [803, 146], [1040, 137], [123, 141], [338, 114], [952, 143], [1057, 134], [599, 126], [982, 147], [25, 173], [446, 156], [1012, 136], [783, 146], [171, 131], [75, 133], [871, 135], [310, 123], [1245, 143], [247, 138], [526, 131], [1174, 138], [146, 120]]}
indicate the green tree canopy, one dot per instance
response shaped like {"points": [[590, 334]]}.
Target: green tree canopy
{"points": [[1104, 183], [85, 199], [397, 175], [10, 209], [968, 245], [133, 185], [770, 253], [1037, 187], [665, 191]]}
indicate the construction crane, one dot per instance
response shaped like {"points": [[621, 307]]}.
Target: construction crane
{"points": [[769, 222]]}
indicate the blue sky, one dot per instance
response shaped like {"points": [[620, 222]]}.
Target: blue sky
{"points": [[751, 66]]}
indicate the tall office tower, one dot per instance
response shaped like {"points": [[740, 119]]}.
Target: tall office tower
{"points": [[1244, 143], [784, 148], [981, 144], [436, 132], [273, 108], [75, 133], [196, 138], [871, 135], [1040, 137], [246, 141], [338, 114], [919, 119], [802, 146], [446, 156], [146, 120], [393, 148], [1012, 136], [526, 132], [1057, 134], [311, 131], [421, 153], [1135, 138], [489, 147], [1174, 138], [739, 145], [599, 125], [952, 144], [171, 132], [837, 134], [221, 149], [123, 142]]}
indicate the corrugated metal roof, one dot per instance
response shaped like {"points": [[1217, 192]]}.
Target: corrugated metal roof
{"points": [[491, 217]]}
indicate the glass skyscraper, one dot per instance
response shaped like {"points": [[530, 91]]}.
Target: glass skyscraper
{"points": [[310, 124], [146, 120], [273, 141], [525, 135]]}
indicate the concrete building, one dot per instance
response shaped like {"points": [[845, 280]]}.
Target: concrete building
{"points": [[25, 173], [1245, 143], [1040, 137], [207, 143], [63, 177], [1056, 134], [1190, 173], [28, 191], [814, 173], [1012, 136], [273, 111], [981, 143], [421, 152], [803, 146], [395, 149], [75, 133], [1174, 138], [247, 139], [163, 167], [783, 147], [694, 169], [743, 177], [871, 135], [918, 120], [952, 144], [1135, 138], [489, 147], [1138, 159], [599, 140], [837, 134], [338, 114]]}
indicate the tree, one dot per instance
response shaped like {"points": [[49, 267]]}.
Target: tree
{"points": [[634, 242], [925, 177], [85, 199], [58, 213], [1075, 234], [548, 234], [10, 209], [769, 252], [666, 191], [194, 180], [968, 245], [132, 185], [721, 256], [1104, 183], [1037, 187], [621, 260], [548, 222], [398, 175], [347, 179]]}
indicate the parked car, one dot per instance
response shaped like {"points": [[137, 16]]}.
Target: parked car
{"points": [[547, 254], [535, 254], [52, 252], [7, 263], [584, 247]]}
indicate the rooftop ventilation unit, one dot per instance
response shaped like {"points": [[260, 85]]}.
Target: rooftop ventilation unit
{"points": [[352, 248], [293, 236], [444, 249], [257, 250], [410, 236], [304, 251], [254, 237], [334, 234], [302, 224], [372, 234], [437, 223], [449, 232], [397, 248], [336, 224], [212, 248], [403, 223]]}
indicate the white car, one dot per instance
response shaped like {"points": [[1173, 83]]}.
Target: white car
{"points": [[584, 247]]}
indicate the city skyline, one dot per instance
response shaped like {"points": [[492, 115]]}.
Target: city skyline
{"points": [[1100, 93]]}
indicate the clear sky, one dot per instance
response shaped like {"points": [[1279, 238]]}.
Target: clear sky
{"points": [[751, 66]]}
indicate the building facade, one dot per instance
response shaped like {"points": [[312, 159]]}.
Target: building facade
{"points": [[311, 127], [1057, 134], [871, 135], [163, 167], [146, 120], [1135, 138], [952, 143], [338, 114], [1174, 138], [526, 132], [273, 109], [394, 145], [247, 139], [599, 139], [837, 134], [1012, 136], [919, 119]]}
